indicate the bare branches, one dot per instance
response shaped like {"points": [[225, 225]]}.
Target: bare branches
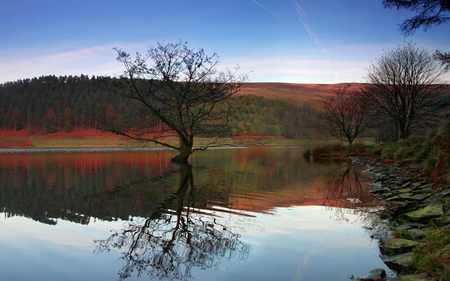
{"points": [[404, 86], [345, 115], [181, 88]]}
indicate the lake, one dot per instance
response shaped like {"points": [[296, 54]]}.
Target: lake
{"points": [[235, 214]]}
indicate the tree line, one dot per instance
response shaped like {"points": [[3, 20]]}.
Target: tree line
{"points": [[51, 104]]}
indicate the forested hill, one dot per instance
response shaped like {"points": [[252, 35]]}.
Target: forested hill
{"points": [[50, 104]]}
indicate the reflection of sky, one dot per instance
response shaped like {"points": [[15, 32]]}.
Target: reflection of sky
{"points": [[296, 243]]}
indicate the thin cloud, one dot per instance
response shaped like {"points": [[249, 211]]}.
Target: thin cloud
{"points": [[307, 26], [94, 60], [288, 69], [257, 3]]}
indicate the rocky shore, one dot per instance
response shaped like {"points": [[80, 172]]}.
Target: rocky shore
{"points": [[416, 212]]}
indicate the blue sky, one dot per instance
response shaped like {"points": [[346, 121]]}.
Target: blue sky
{"points": [[299, 41]]}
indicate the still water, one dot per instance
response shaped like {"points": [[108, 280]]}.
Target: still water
{"points": [[236, 214]]}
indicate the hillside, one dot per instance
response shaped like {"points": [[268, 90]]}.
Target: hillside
{"points": [[302, 94], [51, 106], [49, 110]]}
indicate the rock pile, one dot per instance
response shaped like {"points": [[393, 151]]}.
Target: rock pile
{"points": [[413, 206]]}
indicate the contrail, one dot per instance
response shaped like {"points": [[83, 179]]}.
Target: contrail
{"points": [[302, 267], [304, 21], [265, 8]]}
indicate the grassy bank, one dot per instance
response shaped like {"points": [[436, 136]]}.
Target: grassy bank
{"points": [[115, 141], [431, 152]]}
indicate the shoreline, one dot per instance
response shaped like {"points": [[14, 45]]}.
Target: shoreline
{"points": [[21, 150], [415, 210]]}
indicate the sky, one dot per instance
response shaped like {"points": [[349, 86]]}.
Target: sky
{"points": [[295, 41]]}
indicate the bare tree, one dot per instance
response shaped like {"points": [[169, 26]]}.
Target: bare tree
{"points": [[344, 113], [429, 13], [181, 88], [404, 86]]}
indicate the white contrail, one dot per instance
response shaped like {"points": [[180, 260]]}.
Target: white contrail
{"points": [[265, 8], [304, 21], [302, 267]]}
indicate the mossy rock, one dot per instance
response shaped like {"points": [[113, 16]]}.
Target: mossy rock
{"points": [[428, 190], [391, 246], [423, 214], [402, 262], [405, 190], [419, 197], [378, 274], [406, 195]]}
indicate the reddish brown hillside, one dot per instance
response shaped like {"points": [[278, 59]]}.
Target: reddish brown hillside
{"points": [[303, 94]]}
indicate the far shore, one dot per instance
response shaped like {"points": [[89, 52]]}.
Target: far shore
{"points": [[12, 150]]}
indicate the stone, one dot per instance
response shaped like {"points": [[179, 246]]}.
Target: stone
{"points": [[391, 246], [417, 184], [423, 214], [445, 193], [402, 262], [399, 207], [403, 227], [412, 277], [393, 198], [406, 195], [428, 190], [416, 233], [380, 190], [378, 274], [419, 197], [405, 190], [406, 184]]}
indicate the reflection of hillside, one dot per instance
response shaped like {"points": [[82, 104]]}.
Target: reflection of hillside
{"points": [[77, 187], [45, 187]]}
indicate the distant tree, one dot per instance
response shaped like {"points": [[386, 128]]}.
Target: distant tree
{"points": [[182, 88], [345, 115], [403, 86], [49, 122], [68, 120], [429, 13], [18, 118]]}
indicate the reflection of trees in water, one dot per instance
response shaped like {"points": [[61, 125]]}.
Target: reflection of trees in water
{"points": [[77, 187], [175, 238], [351, 190]]}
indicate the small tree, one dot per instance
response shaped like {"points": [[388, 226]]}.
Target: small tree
{"points": [[181, 88], [344, 113], [403, 86]]}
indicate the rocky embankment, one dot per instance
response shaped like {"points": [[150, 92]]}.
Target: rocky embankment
{"points": [[414, 207]]}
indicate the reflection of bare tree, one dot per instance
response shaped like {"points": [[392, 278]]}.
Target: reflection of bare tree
{"points": [[350, 187], [175, 238]]}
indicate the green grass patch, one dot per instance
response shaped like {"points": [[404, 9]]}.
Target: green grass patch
{"points": [[409, 150], [432, 256]]}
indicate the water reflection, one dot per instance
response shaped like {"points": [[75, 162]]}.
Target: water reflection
{"points": [[178, 221], [175, 238]]}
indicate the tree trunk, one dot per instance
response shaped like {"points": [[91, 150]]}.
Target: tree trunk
{"points": [[185, 150]]}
